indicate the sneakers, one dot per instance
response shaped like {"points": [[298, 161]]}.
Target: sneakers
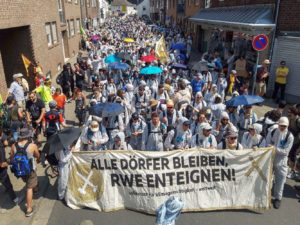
{"points": [[29, 213], [291, 174], [277, 203]]}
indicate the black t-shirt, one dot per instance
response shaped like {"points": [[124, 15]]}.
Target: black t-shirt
{"points": [[2, 150], [35, 108]]}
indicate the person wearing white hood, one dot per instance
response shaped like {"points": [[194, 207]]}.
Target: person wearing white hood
{"points": [[204, 138], [252, 138], [94, 138], [282, 139], [153, 135], [179, 138], [211, 95], [119, 143], [134, 131], [231, 140], [220, 126]]}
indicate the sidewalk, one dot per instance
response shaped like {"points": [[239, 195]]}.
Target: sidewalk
{"points": [[11, 214]]}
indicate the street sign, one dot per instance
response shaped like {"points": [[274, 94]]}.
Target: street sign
{"points": [[260, 42]]}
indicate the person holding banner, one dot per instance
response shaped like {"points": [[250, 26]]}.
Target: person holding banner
{"points": [[252, 138], [282, 139], [134, 131], [120, 143], [204, 138], [230, 142], [94, 138], [153, 134], [180, 137]]}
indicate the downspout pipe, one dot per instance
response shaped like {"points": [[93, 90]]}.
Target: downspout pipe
{"points": [[275, 31]]}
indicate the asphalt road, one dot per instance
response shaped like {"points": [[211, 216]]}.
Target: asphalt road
{"points": [[288, 214]]}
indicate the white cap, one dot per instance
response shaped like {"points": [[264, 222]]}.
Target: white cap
{"points": [[199, 75], [17, 75], [283, 121], [129, 87], [199, 94], [257, 127], [206, 126], [224, 115], [173, 71], [233, 71]]}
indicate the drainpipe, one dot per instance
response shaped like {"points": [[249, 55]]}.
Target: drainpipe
{"points": [[275, 31]]}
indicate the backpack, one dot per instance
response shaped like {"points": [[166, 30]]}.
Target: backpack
{"points": [[21, 165], [59, 78], [155, 132], [201, 143], [286, 137], [52, 120], [34, 111]]}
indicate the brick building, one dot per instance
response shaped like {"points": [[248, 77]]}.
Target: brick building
{"points": [[228, 24], [90, 13], [44, 31]]}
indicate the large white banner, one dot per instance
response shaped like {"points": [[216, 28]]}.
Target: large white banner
{"points": [[142, 180]]}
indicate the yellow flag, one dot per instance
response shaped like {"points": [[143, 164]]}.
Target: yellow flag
{"points": [[26, 62], [161, 50]]}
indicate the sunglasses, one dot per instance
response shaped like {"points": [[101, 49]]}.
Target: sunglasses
{"points": [[233, 138], [170, 107]]}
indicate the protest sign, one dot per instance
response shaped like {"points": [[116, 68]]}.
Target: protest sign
{"points": [[142, 180]]}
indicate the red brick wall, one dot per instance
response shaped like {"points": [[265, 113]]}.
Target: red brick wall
{"points": [[34, 14], [289, 15]]}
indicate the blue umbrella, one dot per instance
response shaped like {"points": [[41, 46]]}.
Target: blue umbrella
{"points": [[106, 109], [118, 66], [179, 46], [244, 100], [112, 59], [169, 211], [179, 66], [181, 56], [151, 70]]}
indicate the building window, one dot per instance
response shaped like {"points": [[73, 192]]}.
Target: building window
{"points": [[78, 25], [82, 2], [197, 2], [51, 33], [94, 3], [207, 3], [69, 0], [72, 28], [88, 3], [76, 1]]}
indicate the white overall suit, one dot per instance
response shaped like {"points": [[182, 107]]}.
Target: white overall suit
{"points": [[281, 158]]}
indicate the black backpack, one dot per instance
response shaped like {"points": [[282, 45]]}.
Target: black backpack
{"points": [[59, 78], [286, 137], [52, 120]]}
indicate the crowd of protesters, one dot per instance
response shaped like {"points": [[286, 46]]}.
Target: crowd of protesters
{"points": [[179, 108]]}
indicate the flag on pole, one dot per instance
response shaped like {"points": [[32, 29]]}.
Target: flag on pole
{"points": [[82, 32], [161, 50], [26, 62]]}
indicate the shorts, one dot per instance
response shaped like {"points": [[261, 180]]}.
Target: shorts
{"points": [[261, 88], [31, 180]]}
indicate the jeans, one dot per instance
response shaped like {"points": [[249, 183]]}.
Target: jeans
{"points": [[5, 181], [276, 89]]}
